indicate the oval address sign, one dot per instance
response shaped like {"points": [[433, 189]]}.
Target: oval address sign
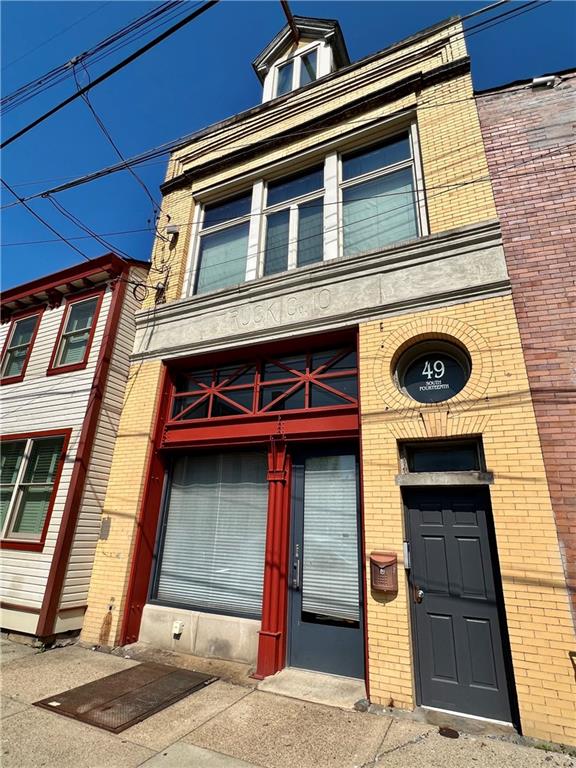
{"points": [[434, 377]]}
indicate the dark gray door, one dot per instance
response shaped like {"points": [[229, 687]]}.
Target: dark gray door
{"points": [[326, 624], [455, 596]]}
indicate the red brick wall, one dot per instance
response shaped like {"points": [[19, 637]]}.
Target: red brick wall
{"points": [[533, 130]]}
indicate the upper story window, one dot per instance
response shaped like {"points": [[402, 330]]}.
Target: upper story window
{"points": [[75, 336], [294, 221], [18, 347], [351, 203], [29, 478], [223, 244], [296, 72], [378, 202]]}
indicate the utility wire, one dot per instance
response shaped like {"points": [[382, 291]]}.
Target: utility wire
{"points": [[176, 144], [43, 221], [155, 206], [417, 190], [85, 228], [116, 68], [475, 13], [125, 35], [204, 8], [338, 227], [53, 37]]}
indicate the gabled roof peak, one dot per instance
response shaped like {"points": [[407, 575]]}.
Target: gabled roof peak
{"points": [[308, 29]]}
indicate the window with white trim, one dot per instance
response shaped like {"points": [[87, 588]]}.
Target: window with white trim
{"points": [[19, 346], [294, 221], [27, 484], [378, 201], [296, 72], [76, 332], [351, 203]]}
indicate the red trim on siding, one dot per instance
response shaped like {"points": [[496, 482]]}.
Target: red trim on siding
{"points": [[69, 302], [26, 545], [141, 565], [109, 262], [72, 507], [19, 316]]}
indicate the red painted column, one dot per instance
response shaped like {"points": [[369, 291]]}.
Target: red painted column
{"points": [[272, 643]]}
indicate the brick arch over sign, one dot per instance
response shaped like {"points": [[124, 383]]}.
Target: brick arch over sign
{"points": [[408, 418]]}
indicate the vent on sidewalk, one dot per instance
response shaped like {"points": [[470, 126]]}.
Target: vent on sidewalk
{"points": [[118, 701]]}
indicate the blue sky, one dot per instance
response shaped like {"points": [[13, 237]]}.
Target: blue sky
{"points": [[198, 76]]}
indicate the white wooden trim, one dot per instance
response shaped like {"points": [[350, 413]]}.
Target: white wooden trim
{"points": [[254, 256], [331, 206], [419, 181], [332, 218], [192, 258], [293, 237]]}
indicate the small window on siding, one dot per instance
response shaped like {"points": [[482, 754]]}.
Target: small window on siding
{"points": [[75, 338], [30, 469], [19, 347]]}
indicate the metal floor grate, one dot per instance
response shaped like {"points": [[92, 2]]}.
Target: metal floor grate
{"points": [[118, 701]]}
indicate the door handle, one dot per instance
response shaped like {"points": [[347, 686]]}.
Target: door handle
{"points": [[296, 573], [418, 594]]}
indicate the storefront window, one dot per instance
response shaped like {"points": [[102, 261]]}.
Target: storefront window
{"points": [[212, 555]]}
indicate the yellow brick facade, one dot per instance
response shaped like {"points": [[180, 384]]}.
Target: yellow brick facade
{"points": [[495, 404], [122, 505], [454, 169]]}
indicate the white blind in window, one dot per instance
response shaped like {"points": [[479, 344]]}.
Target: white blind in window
{"points": [[330, 567], [379, 212], [213, 555]]}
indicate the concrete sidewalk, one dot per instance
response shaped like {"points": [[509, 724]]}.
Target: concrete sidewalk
{"points": [[226, 725]]}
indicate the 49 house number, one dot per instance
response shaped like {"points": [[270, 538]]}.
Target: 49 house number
{"points": [[434, 378]]}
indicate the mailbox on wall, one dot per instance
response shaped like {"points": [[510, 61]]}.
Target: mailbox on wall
{"points": [[384, 571]]}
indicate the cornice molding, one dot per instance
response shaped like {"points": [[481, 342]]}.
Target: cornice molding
{"points": [[295, 105], [448, 268]]}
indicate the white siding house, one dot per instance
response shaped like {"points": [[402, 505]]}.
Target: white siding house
{"points": [[65, 344]]}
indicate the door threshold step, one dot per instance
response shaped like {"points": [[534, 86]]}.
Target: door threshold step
{"points": [[316, 687], [461, 721]]}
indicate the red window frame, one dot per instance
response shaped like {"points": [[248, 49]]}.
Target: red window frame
{"points": [[39, 311], [53, 369], [26, 544], [323, 377]]}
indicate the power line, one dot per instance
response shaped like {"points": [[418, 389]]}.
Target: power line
{"points": [[43, 221], [92, 233], [116, 68], [417, 190], [178, 143], [85, 228], [171, 146], [106, 132], [53, 37], [110, 44]]}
